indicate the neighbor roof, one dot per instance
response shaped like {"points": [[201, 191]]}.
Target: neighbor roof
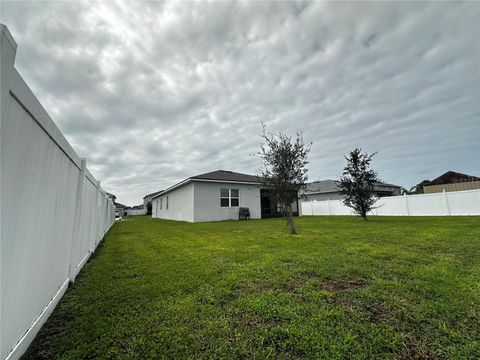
{"points": [[215, 176], [111, 195], [324, 186], [329, 186], [152, 194], [451, 177]]}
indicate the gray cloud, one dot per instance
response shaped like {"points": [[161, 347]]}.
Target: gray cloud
{"points": [[154, 92]]}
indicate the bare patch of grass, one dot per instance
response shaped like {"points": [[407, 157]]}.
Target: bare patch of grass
{"points": [[344, 284], [254, 321], [415, 346], [299, 280], [381, 313]]}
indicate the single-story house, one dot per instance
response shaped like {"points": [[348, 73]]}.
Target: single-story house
{"points": [[451, 181], [215, 196], [330, 190], [147, 201]]}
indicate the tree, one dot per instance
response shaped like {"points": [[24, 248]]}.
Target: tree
{"points": [[284, 172], [357, 182], [417, 189]]}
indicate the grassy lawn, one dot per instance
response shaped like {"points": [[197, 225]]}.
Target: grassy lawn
{"points": [[391, 287]]}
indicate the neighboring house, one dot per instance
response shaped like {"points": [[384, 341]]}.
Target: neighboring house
{"points": [[451, 181], [215, 196], [119, 209], [330, 190], [111, 197], [147, 199]]}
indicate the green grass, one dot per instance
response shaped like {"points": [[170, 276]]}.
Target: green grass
{"points": [[392, 287]]}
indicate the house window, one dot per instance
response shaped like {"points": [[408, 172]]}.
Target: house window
{"points": [[167, 203], [229, 198], [161, 201]]}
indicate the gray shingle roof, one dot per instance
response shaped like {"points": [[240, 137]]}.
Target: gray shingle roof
{"points": [[218, 175], [451, 177], [225, 175], [325, 186], [329, 186]]}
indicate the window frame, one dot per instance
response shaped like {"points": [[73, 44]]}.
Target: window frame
{"points": [[229, 197]]}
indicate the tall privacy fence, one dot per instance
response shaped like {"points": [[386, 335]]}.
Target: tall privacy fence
{"points": [[53, 211], [436, 204]]}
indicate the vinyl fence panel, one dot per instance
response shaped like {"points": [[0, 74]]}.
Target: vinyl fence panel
{"points": [[53, 212], [392, 205], [464, 202], [434, 204]]}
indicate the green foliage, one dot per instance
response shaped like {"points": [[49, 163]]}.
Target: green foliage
{"points": [[285, 169], [357, 183], [392, 287], [417, 189]]}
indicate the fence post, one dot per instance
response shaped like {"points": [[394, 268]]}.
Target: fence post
{"points": [[94, 239], [446, 202], [77, 219], [406, 204], [105, 215], [8, 51]]}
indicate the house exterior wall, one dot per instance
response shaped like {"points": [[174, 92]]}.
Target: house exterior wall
{"points": [[207, 201], [180, 204]]}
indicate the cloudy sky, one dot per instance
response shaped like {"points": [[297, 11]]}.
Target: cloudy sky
{"points": [[152, 92]]}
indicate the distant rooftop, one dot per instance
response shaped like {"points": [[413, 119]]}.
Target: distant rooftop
{"points": [[330, 186], [152, 194], [451, 177], [120, 206]]}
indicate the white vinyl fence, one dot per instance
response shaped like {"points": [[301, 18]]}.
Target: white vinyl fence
{"points": [[53, 211], [436, 204], [134, 212]]}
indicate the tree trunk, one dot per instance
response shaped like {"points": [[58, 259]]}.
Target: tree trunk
{"points": [[364, 215], [290, 222]]}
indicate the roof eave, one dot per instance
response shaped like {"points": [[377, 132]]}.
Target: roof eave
{"points": [[189, 180]]}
